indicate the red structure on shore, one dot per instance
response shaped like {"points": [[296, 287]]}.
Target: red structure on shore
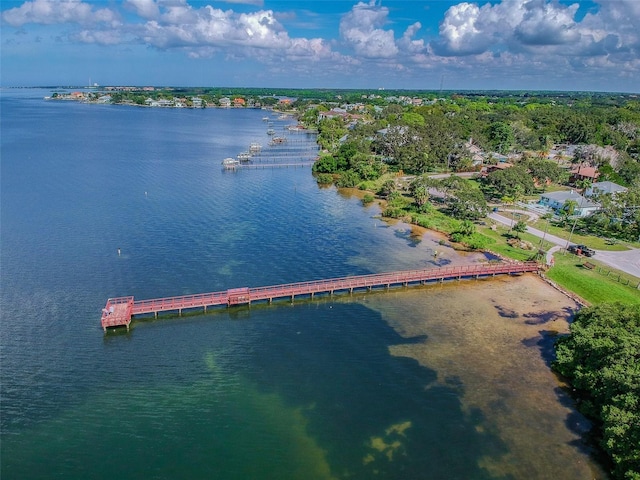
{"points": [[118, 311]]}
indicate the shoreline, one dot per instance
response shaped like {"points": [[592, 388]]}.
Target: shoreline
{"points": [[495, 347]]}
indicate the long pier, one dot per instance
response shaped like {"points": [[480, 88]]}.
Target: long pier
{"points": [[119, 311]]}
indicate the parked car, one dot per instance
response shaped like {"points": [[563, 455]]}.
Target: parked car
{"points": [[581, 250]]}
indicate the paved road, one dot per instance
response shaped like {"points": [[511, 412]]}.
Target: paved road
{"points": [[627, 261]]}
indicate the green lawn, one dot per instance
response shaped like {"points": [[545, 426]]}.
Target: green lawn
{"points": [[499, 243], [595, 286], [602, 284], [591, 241]]}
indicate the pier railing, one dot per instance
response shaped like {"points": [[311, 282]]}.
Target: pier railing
{"points": [[125, 307]]}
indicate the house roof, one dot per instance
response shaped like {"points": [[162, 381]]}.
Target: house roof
{"points": [[564, 195], [606, 187], [502, 165], [585, 171]]}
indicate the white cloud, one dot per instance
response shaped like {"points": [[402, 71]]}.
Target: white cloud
{"points": [[49, 12], [545, 24], [461, 32], [408, 44], [209, 27], [529, 39], [148, 9], [358, 29], [100, 37], [539, 27]]}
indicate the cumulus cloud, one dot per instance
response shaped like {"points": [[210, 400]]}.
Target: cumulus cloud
{"points": [[206, 31], [148, 9], [50, 12], [408, 44], [462, 31], [538, 26], [210, 27], [525, 37], [544, 24], [359, 29]]}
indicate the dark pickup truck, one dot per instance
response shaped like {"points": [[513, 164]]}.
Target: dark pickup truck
{"points": [[581, 250]]}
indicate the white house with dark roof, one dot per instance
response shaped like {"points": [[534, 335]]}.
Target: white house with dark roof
{"points": [[556, 200]]}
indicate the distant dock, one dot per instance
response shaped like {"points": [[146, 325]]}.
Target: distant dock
{"points": [[118, 312]]}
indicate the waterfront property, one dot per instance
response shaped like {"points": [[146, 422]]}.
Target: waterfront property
{"points": [[118, 311]]}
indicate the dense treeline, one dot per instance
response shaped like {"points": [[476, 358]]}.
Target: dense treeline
{"points": [[601, 359]]}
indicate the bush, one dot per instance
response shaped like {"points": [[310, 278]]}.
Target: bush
{"points": [[348, 179], [325, 164], [324, 178], [367, 199]]}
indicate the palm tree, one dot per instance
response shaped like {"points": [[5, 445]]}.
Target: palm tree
{"points": [[558, 157], [583, 184]]}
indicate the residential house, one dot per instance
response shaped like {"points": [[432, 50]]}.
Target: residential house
{"points": [[493, 168], [557, 200], [239, 102], [333, 113], [225, 102], [163, 102], [604, 188], [584, 171], [477, 157]]}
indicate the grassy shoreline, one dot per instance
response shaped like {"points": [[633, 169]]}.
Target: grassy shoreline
{"points": [[590, 286]]}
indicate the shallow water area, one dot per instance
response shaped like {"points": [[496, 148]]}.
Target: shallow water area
{"points": [[492, 340]]}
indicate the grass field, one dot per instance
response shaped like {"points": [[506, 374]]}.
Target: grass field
{"points": [[591, 241], [601, 284], [597, 285]]}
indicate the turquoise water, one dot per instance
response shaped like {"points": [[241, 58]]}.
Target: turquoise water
{"points": [[305, 390]]}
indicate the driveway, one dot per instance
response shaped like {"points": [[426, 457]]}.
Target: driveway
{"points": [[627, 261]]}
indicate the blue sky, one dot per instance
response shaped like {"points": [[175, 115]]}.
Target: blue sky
{"points": [[497, 44]]}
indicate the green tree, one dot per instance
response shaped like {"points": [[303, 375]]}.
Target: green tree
{"points": [[520, 227], [512, 182], [466, 228], [569, 207], [500, 136], [348, 179], [467, 203], [544, 171], [601, 359], [388, 188], [419, 189], [413, 119], [326, 164]]}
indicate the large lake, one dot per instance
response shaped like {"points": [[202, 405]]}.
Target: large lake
{"points": [[442, 382]]}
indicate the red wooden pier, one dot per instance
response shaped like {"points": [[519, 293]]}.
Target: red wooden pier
{"points": [[119, 311]]}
